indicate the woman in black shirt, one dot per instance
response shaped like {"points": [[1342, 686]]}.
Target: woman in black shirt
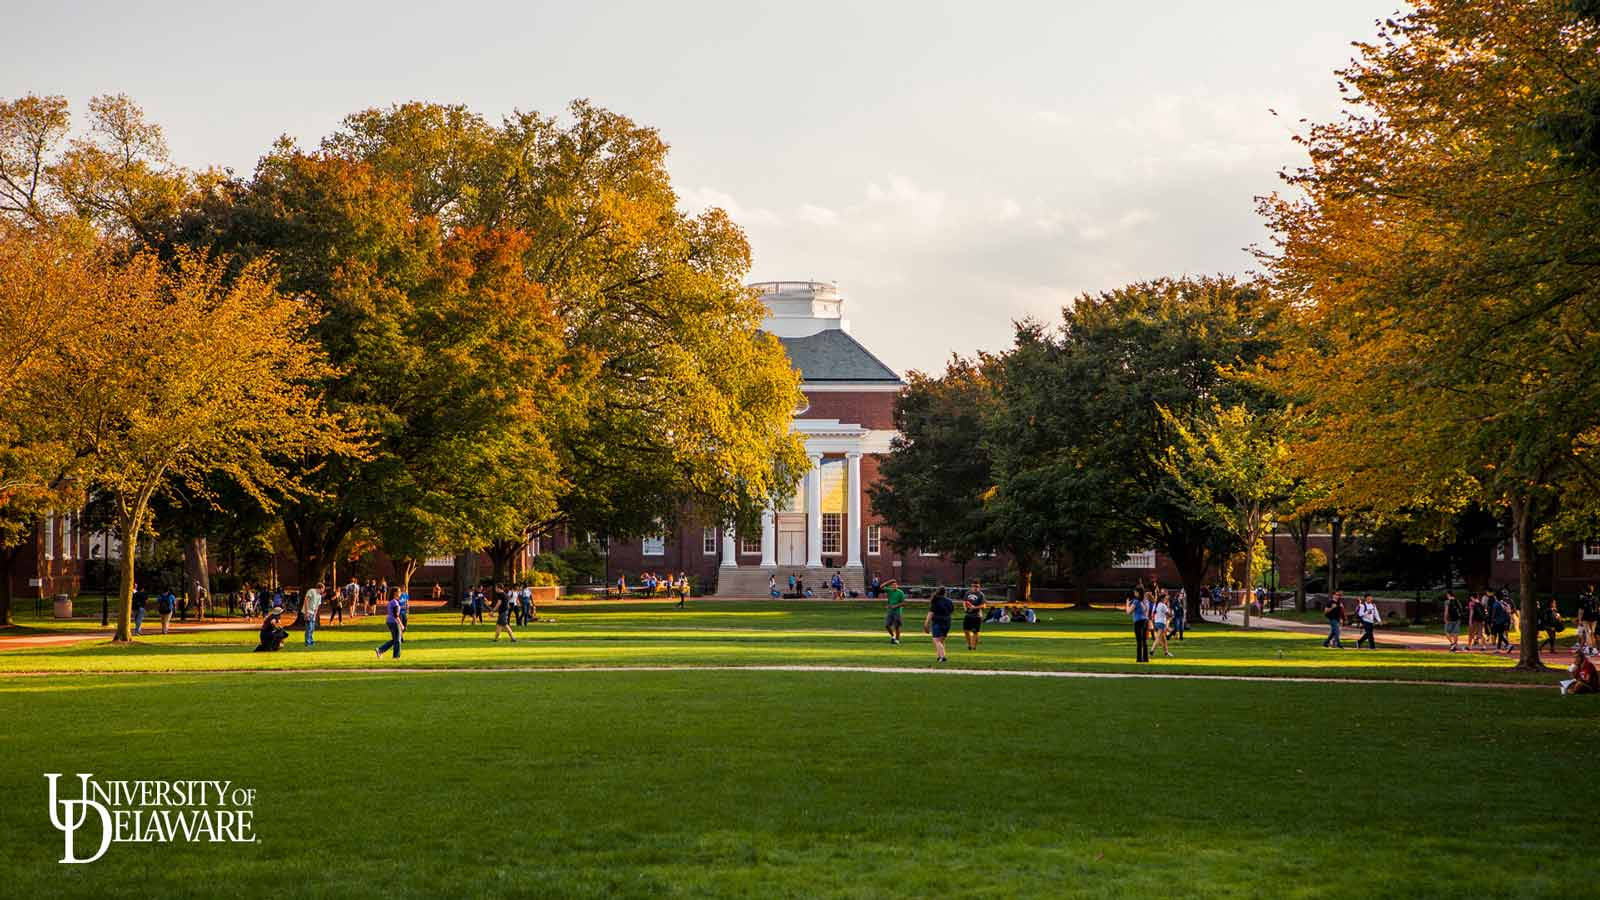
{"points": [[973, 620], [938, 625]]}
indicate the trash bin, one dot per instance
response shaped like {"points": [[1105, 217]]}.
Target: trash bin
{"points": [[63, 606]]}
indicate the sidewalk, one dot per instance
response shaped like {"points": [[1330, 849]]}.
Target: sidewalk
{"points": [[1391, 639]]}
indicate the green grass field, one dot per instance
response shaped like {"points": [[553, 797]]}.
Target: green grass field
{"points": [[763, 784], [731, 634]]}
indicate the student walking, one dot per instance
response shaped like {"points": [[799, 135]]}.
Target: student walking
{"points": [[138, 610], [1550, 624], [310, 609], [1367, 612], [1180, 613], [396, 625], [683, 589], [894, 603], [838, 586], [335, 605], [1335, 614], [1160, 615], [1452, 620], [164, 606], [937, 625], [1500, 623], [1139, 609], [503, 616], [972, 622]]}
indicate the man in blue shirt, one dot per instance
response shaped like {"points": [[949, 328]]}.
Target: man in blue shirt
{"points": [[164, 605], [1140, 610]]}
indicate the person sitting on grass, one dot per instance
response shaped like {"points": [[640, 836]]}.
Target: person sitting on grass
{"points": [[1585, 678], [272, 633]]}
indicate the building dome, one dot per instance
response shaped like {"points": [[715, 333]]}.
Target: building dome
{"points": [[801, 308]]}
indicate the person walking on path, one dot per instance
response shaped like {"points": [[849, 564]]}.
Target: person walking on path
{"points": [[1500, 623], [335, 605], [1139, 609], [138, 610], [894, 603], [937, 625], [1550, 624], [396, 625], [1367, 612], [502, 620], [1160, 614], [1452, 621], [683, 589], [1335, 614], [1180, 613], [311, 610], [972, 622], [1588, 617], [164, 607]]}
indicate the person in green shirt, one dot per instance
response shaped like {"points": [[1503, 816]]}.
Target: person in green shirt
{"points": [[894, 601]]}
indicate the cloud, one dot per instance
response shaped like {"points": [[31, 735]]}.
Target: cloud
{"points": [[816, 215], [693, 200]]}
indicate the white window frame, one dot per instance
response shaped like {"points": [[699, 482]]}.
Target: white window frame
{"points": [[658, 543], [1516, 554], [708, 541], [750, 546], [874, 540], [922, 552], [835, 533], [1144, 559], [439, 561], [1591, 549], [66, 537], [50, 536]]}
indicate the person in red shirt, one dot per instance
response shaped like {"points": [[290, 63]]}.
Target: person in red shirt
{"points": [[1585, 678]]}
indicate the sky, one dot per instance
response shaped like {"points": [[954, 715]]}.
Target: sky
{"points": [[952, 166]]}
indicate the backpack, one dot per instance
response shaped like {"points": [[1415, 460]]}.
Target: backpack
{"points": [[1455, 610]]}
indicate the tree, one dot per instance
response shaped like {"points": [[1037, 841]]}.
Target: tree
{"points": [[682, 404], [156, 388], [1436, 262], [1234, 465]]}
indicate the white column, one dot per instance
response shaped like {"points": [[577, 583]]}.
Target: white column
{"points": [[769, 541], [853, 532], [814, 512], [730, 549]]}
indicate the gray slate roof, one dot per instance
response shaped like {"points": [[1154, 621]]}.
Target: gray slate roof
{"points": [[833, 355]]}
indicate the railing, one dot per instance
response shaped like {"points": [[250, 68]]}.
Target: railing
{"points": [[780, 287]]}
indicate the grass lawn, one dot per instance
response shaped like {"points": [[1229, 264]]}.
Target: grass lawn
{"points": [[778, 784], [731, 634]]}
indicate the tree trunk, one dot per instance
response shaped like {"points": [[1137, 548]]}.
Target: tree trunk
{"points": [[1333, 557], [408, 567], [1249, 587], [1522, 527], [466, 573], [8, 561], [197, 571], [1080, 590], [129, 526], [1300, 570], [1191, 563]]}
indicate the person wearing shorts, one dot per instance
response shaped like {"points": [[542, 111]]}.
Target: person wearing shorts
{"points": [[940, 609], [1452, 621], [894, 610], [972, 622], [508, 600]]}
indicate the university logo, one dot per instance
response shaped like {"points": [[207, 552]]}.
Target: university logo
{"points": [[147, 812]]}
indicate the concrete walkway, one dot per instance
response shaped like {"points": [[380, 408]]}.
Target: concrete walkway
{"points": [[1388, 639]]}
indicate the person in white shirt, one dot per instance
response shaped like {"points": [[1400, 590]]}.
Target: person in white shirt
{"points": [[1367, 612], [1161, 614], [309, 608]]}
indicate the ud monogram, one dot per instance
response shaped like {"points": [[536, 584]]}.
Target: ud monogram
{"points": [[62, 817]]}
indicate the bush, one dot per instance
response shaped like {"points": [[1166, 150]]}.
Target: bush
{"points": [[571, 565], [537, 578]]}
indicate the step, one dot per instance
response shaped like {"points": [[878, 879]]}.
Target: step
{"points": [[751, 581]]}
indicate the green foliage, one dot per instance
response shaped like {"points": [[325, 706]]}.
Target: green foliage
{"points": [[576, 563]]}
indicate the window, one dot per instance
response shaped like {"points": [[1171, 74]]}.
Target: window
{"points": [[874, 540], [750, 545], [440, 561], [655, 546], [66, 536], [1591, 549], [832, 533], [1144, 559], [708, 541], [1508, 547], [922, 552], [50, 537]]}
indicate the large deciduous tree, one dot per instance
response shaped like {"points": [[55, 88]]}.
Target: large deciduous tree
{"points": [[1438, 259]]}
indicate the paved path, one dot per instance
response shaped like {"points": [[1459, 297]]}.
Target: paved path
{"points": [[873, 670], [1389, 639]]}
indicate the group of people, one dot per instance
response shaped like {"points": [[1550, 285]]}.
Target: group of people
{"points": [[511, 604], [1488, 614], [1367, 615], [1155, 611], [651, 584], [835, 584]]}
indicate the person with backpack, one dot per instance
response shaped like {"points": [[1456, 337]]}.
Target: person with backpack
{"points": [[1550, 624], [1452, 620], [1335, 615], [164, 605], [1588, 618], [1367, 612], [1477, 620], [1500, 622]]}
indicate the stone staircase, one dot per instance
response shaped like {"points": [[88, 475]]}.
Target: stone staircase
{"points": [[751, 581]]}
